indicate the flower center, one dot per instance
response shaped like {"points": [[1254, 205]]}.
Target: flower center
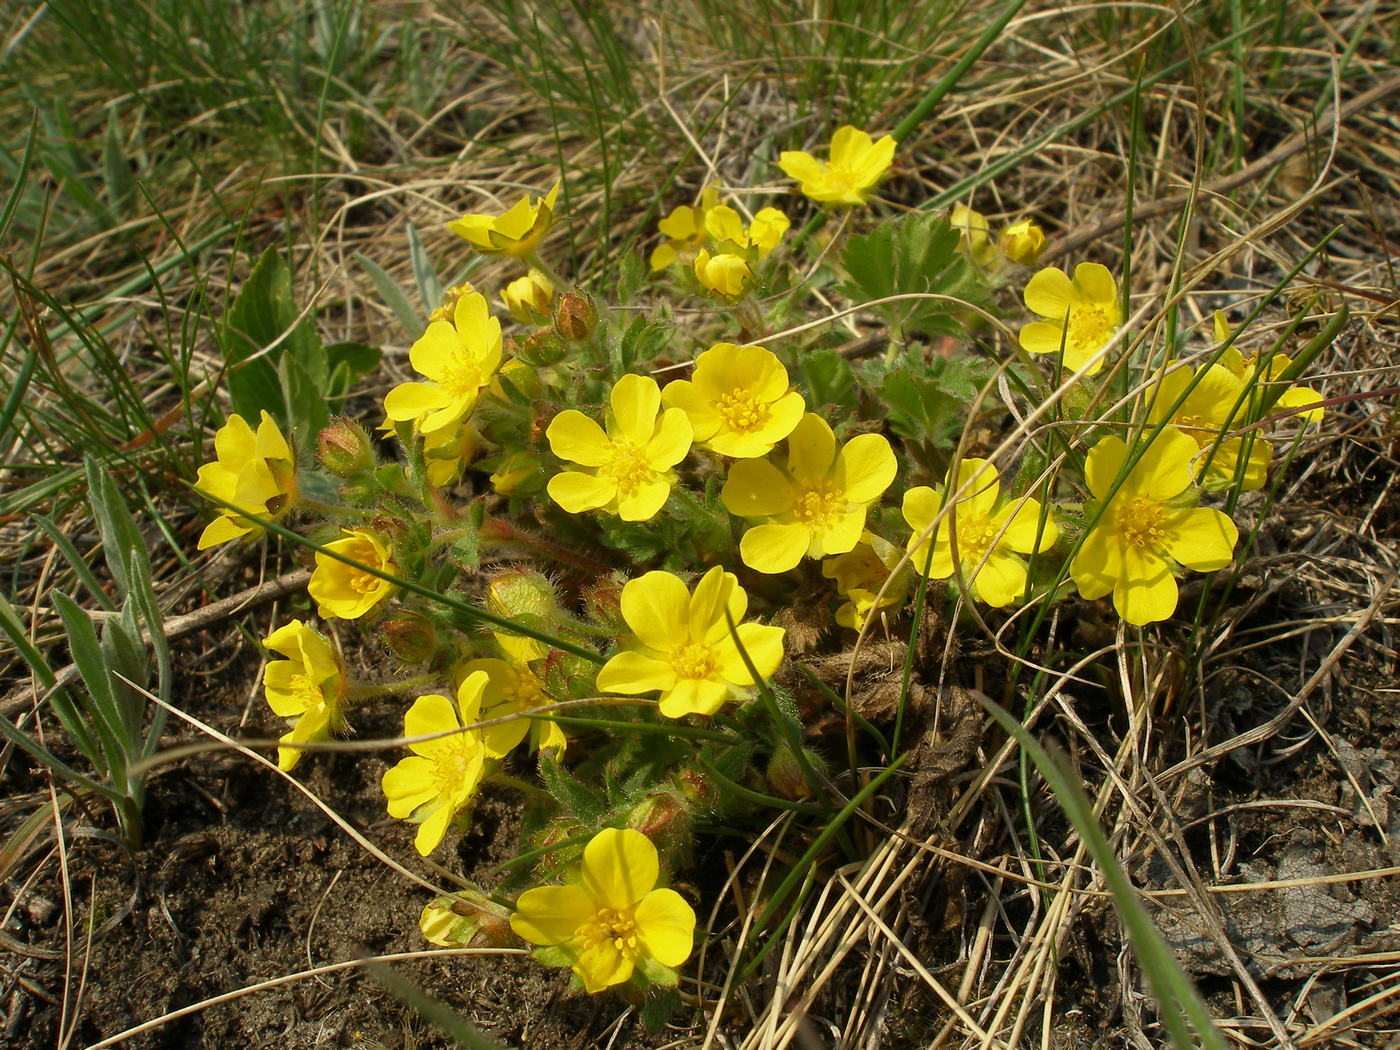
{"points": [[461, 378], [611, 924], [453, 765], [694, 660], [974, 533], [1089, 327], [1197, 428], [742, 410], [817, 504], [308, 694], [362, 582], [1140, 523], [627, 465], [842, 179]]}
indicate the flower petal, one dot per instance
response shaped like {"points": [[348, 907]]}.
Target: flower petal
{"points": [[656, 606], [812, 449], [865, 468], [1146, 592], [633, 674], [635, 401], [774, 548], [551, 915], [666, 926], [693, 696], [1096, 283], [756, 489], [576, 438], [1050, 293], [620, 867], [764, 646], [577, 492], [1202, 539]]}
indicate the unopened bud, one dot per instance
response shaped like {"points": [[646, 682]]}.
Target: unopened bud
{"points": [[528, 298], [664, 818], [409, 636], [575, 316], [1022, 242], [465, 920], [344, 448], [786, 776], [540, 348]]}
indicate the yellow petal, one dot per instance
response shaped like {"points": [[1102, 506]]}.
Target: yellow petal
{"points": [[576, 438], [633, 674], [756, 489], [1202, 539], [635, 401], [656, 606], [552, 915], [666, 926], [864, 469], [576, 492], [1050, 293], [775, 548], [620, 867]]}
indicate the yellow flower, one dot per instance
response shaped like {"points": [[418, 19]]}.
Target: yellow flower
{"points": [[458, 359], [513, 687], [517, 232], [1080, 316], [447, 452], [738, 401], [254, 472], [856, 164], [1148, 527], [447, 309], [1216, 404], [684, 229], [344, 591], [767, 230], [613, 920], [726, 275], [974, 235], [1022, 242], [441, 777], [306, 688], [527, 298], [630, 464], [765, 233], [682, 644], [988, 538], [816, 504], [859, 575], [1247, 369]]}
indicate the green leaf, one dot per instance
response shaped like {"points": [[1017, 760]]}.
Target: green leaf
{"points": [[573, 797], [262, 316], [394, 298], [104, 709], [121, 187], [347, 364], [424, 274], [828, 380], [913, 254]]}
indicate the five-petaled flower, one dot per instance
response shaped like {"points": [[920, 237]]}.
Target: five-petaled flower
{"points": [[1080, 316], [815, 505], [513, 687], [854, 166], [1205, 406], [306, 688], [629, 465], [459, 360], [985, 539], [613, 920], [1306, 401], [442, 775], [1147, 527], [345, 591], [862, 574], [252, 471], [684, 229], [683, 644], [738, 400], [726, 275], [517, 232]]}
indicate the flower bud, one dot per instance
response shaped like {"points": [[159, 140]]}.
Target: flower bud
{"points": [[697, 788], [664, 818], [521, 593], [785, 775], [540, 348], [410, 636], [575, 316], [519, 474], [465, 920], [344, 448], [1022, 242], [972, 225], [528, 298], [448, 307]]}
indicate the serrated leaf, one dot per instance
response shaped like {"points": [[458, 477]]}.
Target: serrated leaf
{"points": [[573, 797], [916, 253], [828, 380]]}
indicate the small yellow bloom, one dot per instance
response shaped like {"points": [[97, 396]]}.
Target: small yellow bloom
{"points": [[725, 275], [527, 298], [682, 644], [767, 230], [1306, 401], [306, 688], [1148, 527], [447, 309], [343, 591], [443, 774], [816, 504], [738, 400], [684, 229], [458, 359], [856, 164], [1080, 316], [613, 920], [254, 472], [1216, 404], [514, 687], [517, 232], [447, 452], [630, 464], [974, 235], [861, 573], [988, 538], [1022, 242]]}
